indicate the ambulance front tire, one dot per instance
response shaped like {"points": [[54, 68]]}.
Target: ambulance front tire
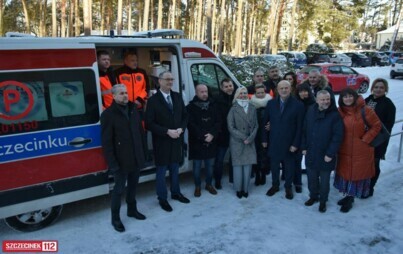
{"points": [[35, 220]]}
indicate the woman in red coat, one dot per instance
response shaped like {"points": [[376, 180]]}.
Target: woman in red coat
{"points": [[356, 157]]}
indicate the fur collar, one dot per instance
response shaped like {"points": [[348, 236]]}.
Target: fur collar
{"points": [[260, 103]]}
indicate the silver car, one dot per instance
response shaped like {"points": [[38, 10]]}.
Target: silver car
{"points": [[340, 58]]}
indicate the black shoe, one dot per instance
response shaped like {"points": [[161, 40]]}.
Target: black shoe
{"points": [[342, 201], [298, 189], [180, 198], [273, 190], [288, 193], [165, 205], [347, 205], [244, 194], [239, 194], [117, 223], [257, 180], [310, 201], [322, 207], [136, 214], [263, 180], [218, 185]]}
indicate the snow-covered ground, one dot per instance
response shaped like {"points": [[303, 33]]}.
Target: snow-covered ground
{"points": [[258, 224]]}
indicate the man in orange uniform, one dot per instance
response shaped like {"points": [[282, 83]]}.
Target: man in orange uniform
{"points": [[134, 78], [106, 77]]}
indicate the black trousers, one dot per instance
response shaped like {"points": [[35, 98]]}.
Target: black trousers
{"points": [[121, 177]]}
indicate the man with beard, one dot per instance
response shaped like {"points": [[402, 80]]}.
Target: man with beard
{"points": [[321, 139]]}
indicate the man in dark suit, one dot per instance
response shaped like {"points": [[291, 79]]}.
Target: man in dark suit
{"points": [[284, 116], [123, 148], [166, 118]]}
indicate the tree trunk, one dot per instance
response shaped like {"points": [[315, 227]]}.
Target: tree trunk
{"points": [[292, 26], [120, 17], [173, 14], [71, 13], [221, 32], [129, 17], [63, 18], [152, 21], [77, 21], [54, 19], [277, 26], [271, 27], [146, 12], [209, 30], [159, 22], [2, 7], [86, 14], [238, 40], [199, 20], [42, 22], [27, 20]]}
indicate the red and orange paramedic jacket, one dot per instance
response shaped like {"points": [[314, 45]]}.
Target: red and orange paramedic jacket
{"points": [[107, 80], [136, 82]]}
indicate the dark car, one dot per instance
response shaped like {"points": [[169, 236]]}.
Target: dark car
{"points": [[339, 76], [377, 58], [358, 60], [315, 57]]}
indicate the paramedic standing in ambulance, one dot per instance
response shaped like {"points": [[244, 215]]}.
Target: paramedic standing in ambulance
{"points": [[107, 77], [134, 78], [123, 147], [166, 118]]}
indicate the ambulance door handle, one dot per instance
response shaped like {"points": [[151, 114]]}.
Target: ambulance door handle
{"points": [[79, 141]]}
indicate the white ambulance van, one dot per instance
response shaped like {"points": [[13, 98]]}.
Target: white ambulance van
{"points": [[50, 106]]}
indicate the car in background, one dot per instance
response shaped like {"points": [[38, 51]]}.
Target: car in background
{"points": [[339, 76], [393, 56], [377, 58], [358, 60], [279, 60], [340, 58], [297, 59], [396, 69], [315, 57]]}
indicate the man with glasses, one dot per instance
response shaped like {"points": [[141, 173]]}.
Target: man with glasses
{"points": [[166, 118]]}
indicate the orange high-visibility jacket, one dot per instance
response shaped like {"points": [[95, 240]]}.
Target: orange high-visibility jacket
{"points": [[107, 80], [136, 82]]}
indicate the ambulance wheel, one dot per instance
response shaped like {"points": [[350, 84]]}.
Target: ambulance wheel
{"points": [[34, 220]]}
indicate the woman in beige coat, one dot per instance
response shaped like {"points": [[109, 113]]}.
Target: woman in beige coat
{"points": [[242, 126]]}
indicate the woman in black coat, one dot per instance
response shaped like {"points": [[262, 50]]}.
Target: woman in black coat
{"points": [[386, 111]]}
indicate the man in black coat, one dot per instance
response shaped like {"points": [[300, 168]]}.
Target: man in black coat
{"points": [[203, 126], [321, 139], [123, 147], [273, 80], [166, 118], [224, 104]]}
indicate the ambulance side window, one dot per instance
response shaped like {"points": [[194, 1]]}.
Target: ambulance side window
{"points": [[210, 75], [45, 100]]}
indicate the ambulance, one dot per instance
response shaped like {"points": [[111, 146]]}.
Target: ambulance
{"points": [[50, 107]]}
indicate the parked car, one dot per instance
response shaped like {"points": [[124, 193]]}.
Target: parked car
{"points": [[396, 69], [315, 57], [393, 56], [297, 59], [270, 59], [358, 60], [377, 58], [340, 58], [339, 76]]}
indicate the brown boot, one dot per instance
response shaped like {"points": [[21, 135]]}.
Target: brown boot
{"points": [[197, 192], [211, 189]]}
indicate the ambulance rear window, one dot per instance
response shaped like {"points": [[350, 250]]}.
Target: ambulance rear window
{"points": [[45, 100]]}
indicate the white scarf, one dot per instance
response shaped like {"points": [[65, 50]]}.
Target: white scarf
{"points": [[244, 104], [260, 102]]}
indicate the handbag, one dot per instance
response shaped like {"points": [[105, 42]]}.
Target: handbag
{"points": [[382, 136]]}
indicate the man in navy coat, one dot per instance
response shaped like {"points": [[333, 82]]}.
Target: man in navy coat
{"points": [[284, 116], [166, 118], [321, 139]]}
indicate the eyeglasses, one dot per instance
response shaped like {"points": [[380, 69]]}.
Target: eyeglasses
{"points": [[168, 79]]}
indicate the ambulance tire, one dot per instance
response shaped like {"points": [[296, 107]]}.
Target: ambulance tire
{"points": [[35, 220]]}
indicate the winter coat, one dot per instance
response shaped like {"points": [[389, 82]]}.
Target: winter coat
{"points": [[356, 156], [260, 105], [386, 111], [203, 119], [159, 118], [322, 136], [224, 104], [122, 138], [271, 86], [323, 85], [285, 128], [242, 126]]}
